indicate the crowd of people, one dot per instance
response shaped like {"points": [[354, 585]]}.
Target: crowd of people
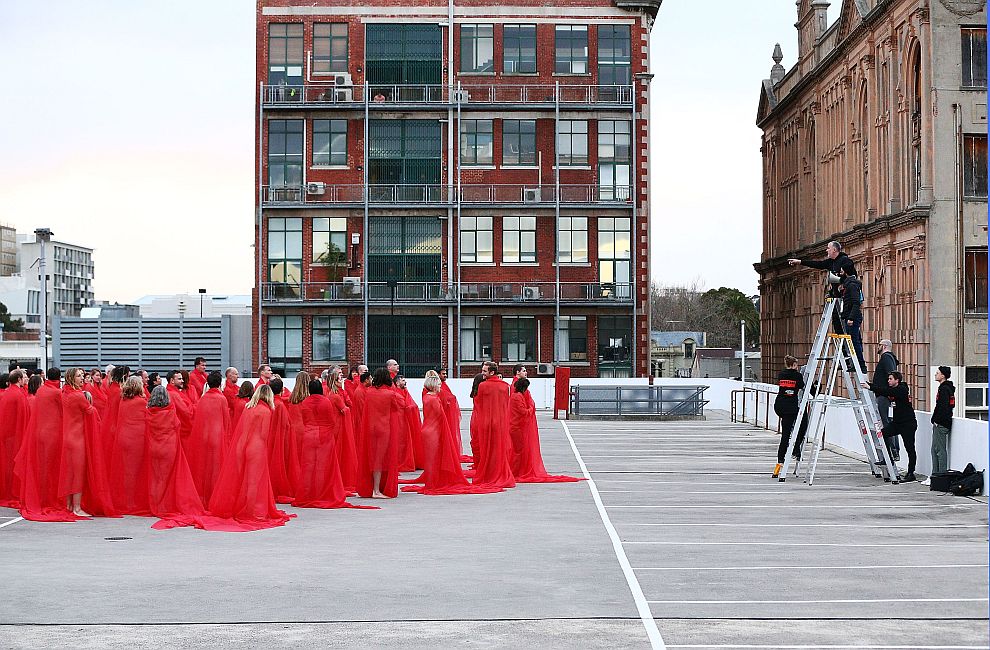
{"points": [[205, 449]]}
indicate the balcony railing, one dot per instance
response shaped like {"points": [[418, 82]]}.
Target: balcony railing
{"points": [[443, 293], [321, 194], [480, 94]]}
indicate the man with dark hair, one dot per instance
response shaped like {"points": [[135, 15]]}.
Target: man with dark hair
{"points": [[904, 423], [945, 403], [53, 374], [490, 441], [264, 374], [14, 413], [183, 408], [519, 371], [851, 313], [214, 379], [197, 379]]}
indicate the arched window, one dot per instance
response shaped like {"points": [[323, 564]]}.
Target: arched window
{"points": [[915, 149]]}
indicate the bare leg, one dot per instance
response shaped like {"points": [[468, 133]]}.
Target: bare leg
{"points": [[75, 505], [376, 493]]}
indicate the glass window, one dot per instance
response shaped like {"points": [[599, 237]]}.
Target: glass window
{"points": [[976, 281], [572, 142], [518, 239], [285, 344], [476, 142], [476, 239], [975, 166], [477, 48], [571, 49], [329, 48], [285, 54], [329, 142], [518, 338], [519, 49], [614, 340], [614, 160], [518, 142], [572, 339], [329, 338], [614, 255], [573, 244], [614, 58], [476, 338], [285, 249], [974, 57], [330, 240], [285, 154]]}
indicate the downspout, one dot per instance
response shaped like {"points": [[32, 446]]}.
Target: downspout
{"points": [[634, 236], [457, 227], [367, 266], [259, 250], [960, 249], [450, 184]]}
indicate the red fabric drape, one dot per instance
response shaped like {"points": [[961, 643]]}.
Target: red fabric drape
{"points": [[237, 410], [344, 438], [197, 382], [100, 403], [490, 426], [183, 410], [380, 428], [129, 461], [172, 492], [83, 467], [109, 425], [230, 392], [283, 457], [527, 461], [208, 442], [37, 462], [14, 415]]}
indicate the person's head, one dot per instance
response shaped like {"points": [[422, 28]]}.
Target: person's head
{"points": [[315, 387], [335, 381], [400, 382], [185, 378], [154, 379], [4, 380], [144, 375], [277, 386], [17, 378], [941, 374], [174, 378], [96, 375], [301, 390], [489, 369], [381, 377], [847, 269], [442, 374], [199, 363], [366, 378], [355, 373], [159, 398], [519, 370], [74, 377], [53, 374], [392, 366], [522, 384], [245, 390], [885, 346], [432, 381], [894, 379], [34, 383], [118, 374], [87, 378], [833, 249], [262, 394], [214, 379], [265, 371], [133, 387], [231, 375], [790, 362]]}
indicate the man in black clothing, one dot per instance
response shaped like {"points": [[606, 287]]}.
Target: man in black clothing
{"points": [[945, 403], [851, 290], [834, 260], [904, 423], [786, 406], [886, 364]]}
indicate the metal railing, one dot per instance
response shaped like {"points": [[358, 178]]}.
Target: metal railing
{"points": [[480, 94], [654, 400], [765, 396], [318, 193], [441, 292]]}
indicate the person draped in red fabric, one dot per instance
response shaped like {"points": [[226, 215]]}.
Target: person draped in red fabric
{"points": [[210, 437], [489, 420], [197, 379], [118, 375], [174, 384], [410, 445], [14, 415], [360, 394], [265, 376], [230, 387], [83, 469], [351, 383], [98, 389], [34, 383], [297, 430], [283, 462], [383, 409], [344, 430], [172, 495], [527, 461], [453, 411], [244, 395], [128, 461]]}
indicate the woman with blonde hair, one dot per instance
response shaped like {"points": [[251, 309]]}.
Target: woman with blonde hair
{"points": [[82, 474], [128, 460], [343, 427]]}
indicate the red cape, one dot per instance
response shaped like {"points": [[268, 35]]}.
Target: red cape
{"points": [[129, 459], [37, 462], [208, 441], [183, 409], [172, 493], [490, 426], [83, 467], [197, 382], [380, 428], [230, 392], [14, 415], [527, 461], [283, 458], [344, 438], [109, 425]]}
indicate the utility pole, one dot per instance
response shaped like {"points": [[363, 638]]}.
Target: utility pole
{"points": [[43, 236]]}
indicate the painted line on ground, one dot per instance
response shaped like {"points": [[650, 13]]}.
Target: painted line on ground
{"points": [[13, 521], [858, 646], [887, 545], [642, 606], [772, 525], [817, 602], [791, 507], [803, 568]]}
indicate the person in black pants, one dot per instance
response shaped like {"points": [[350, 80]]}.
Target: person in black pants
{"points": [[834, 260], [789, 384], [904, 423], [886, 364], [852, 314]]}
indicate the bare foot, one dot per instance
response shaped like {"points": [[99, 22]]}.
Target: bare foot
{"points": [[81, 513], [378, 495]]}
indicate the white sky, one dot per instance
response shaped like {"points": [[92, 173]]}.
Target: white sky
{"points": [[129, 127]]}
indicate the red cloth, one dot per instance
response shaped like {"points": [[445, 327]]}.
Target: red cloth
{"points": [[183, 410], [100, 403], [171, 489], [83, 468], [230, 392], [14, 416], [527, 461], [236, 410], [129, 459], [489, 419], [452, 409], [344, 441], [283, 457], [319, 484], [415, 427], [197, 382], [208, 441], [109, 425], [37, 462], [380, 428]]}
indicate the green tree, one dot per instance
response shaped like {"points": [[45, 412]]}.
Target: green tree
{"points": [[9, 324], [727, 307]]}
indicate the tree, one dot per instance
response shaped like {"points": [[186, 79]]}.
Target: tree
{"points": [[716, 312], [731, 306], [9, 324]]}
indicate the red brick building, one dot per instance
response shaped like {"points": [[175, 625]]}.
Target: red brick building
{"points": [[451, 183]]}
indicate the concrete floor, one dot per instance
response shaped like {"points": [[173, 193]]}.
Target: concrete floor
{"points": [[724, 556]]}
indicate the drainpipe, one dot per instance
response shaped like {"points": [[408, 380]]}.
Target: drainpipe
{"points": [[451, 227], [259, 249], [960, 249], [367, 266]]}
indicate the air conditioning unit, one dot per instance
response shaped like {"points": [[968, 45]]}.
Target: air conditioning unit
{"points": [[531, 293], [462, 96], [343, 79], [531, 195], [352, 285], [316, 188], [343, 95], [544, 369]]}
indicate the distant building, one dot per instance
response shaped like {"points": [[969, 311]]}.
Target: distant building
{"points": [[22, 296], [190, 305], [21, 350], [672, 353], [724, 363], [70, 272], [8, 250]]}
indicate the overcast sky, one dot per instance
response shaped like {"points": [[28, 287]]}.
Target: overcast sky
{"points": [[129, 127]]}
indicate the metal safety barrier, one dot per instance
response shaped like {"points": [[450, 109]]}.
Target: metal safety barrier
{"points": [[656, 400]]}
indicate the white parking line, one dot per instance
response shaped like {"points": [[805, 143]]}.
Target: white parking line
{"points": [[886, 545], [818, 506], [816, 602], [773, 525], [803, 568], [13, 521], [858, 646]]}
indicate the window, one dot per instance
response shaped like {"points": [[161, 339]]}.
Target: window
{"points": [[404, 53], [614, 256], [572, 142], [476, 142], [614, 59], [518, 239], [329, 48], [406, 249], [614, 339], [688, 348], [614, 160], [572, 339], [975, 166], [519, 49], [285, 156], [571, 49], [285, 54], [976, 281], [329, 338], [285, 344], [329, 142], [476, 338], [977, 393], [477, 48], [573, 245], [330, 240], [518, 142], [285, 249], [974, 57], [476, 239], [518, 338]]}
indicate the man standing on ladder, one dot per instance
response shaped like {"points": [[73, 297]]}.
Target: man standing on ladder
{"points": [[834, 260]]}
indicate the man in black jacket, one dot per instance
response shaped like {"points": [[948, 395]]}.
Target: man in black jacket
{"points": [[904, 423], [851, 290], [886, 364], [945, 403], [834, 260]]}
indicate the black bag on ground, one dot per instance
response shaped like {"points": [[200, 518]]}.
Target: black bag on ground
{"points": [[941, 481], [970, 484]]}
